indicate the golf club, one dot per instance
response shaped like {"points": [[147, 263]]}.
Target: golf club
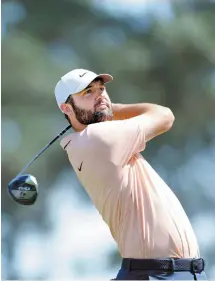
{"points": [[24, 188]]}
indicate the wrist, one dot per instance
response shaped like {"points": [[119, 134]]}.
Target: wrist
{"points": [[117, 110], [115, 106]]}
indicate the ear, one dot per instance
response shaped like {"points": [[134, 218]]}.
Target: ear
{"points": [[66, 108]]}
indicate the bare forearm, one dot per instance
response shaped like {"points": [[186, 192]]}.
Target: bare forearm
{"points": [[126, 111]]}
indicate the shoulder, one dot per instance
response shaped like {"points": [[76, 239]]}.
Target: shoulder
{"points": [[101, 128], [94, 132]]}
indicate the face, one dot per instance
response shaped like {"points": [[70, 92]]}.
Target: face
{"points": [[92, 105]]}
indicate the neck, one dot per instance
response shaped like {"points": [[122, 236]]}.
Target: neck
{"points": [[78, 127]]}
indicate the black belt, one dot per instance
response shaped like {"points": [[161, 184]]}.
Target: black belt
{"points": [[192, 265]]}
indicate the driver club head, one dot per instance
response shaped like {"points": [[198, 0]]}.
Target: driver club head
{"points": [[24, 189]]}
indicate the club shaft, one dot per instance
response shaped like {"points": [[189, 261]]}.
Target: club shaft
{"points": [[43, 149]]}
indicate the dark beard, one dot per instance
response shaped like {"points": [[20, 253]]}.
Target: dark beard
{"points": [[87, 117]]}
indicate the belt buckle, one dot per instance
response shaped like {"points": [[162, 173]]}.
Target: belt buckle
{"points": [[128, 264], [194, 266]]}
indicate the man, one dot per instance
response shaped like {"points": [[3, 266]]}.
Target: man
{"points": [[148, 223]]}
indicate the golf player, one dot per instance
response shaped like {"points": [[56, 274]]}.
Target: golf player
{"points": [[154, 236]]}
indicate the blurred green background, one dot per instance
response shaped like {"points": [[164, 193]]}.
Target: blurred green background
{"points": [[157, 51]]}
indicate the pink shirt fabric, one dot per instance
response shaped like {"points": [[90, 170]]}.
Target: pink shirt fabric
{"points": [[144, 216]]}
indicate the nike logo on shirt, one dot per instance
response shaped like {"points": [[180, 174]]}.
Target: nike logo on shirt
{"points": [[67, 144], [80, 166]]}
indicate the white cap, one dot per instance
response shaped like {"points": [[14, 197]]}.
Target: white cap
{"points": [[76, 81]]}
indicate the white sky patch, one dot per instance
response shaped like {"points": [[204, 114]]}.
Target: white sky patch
{"points": [[135, 8]]}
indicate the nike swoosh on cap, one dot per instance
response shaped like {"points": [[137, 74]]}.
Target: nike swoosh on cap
{"points": [[81, 75]]}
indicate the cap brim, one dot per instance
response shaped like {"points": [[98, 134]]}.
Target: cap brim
{"points": [[105, 77]]}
